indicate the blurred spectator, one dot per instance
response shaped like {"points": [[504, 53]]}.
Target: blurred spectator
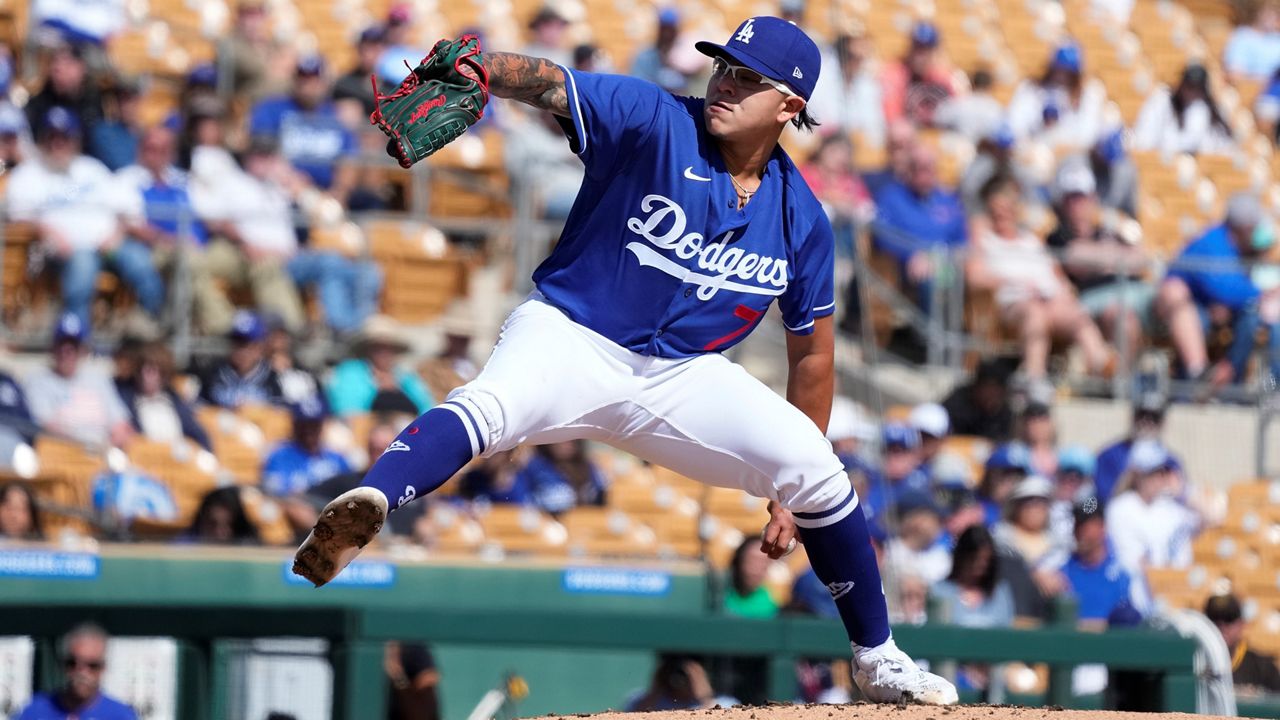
{"points": [[221, 520], [560, 476], [1038, 435], [1147, 526], [357, 380], [654, 63], [679, 683], [930, 420], [1073, 484], [1006, 466], [830, 174], [67, 85], [83, 653], [244, 377], [199, 92], [746, 595], [401, 46], [246, 54], [900, 141], [16, 425], [901, 465], [848, 430], [961, 510], [157, 411], [919, 546], [1106, 270], [114, 140], [847, 97], [296, 382], [306, 129], [302, 461], [548, 36], [982, 406], [81, 21], [1266, 108], [1025, 531], [1222, 293], [15, 141], [977, 115], [75, 399], [250, 224], [1186, 120], [255, 211], [995, 156], [1148, 422], [590, 58], [914, 86], [542, 164], [413, 679], [1253, 50], [452, 367], [19, 514], [1252, 672], [162, 193], [973, 595], [1098, 582], [1031, 295], [77, 212], [355, 86], [1115, 173], [497, 479], [381, 435], [1063, 108], [918, 217]]}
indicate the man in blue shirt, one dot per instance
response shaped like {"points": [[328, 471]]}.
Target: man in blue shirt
{"points": [[690, 223], [915, 217], [303, 461], [84, 657], [167, 215], [1113, 460], [1215, 270], [307, 130], [1096, 579]]}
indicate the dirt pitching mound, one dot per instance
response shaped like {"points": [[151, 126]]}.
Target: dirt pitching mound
{"points": [[866, 711]]}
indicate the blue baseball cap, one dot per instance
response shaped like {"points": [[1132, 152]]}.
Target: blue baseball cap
{"points": [[310, 65], [1067, 57], [12, 120], [246, 326], [1111, 147], [203, 75], [925, 34], [775, 48], [1077, 459], [70, 328], [309, 409], [668, 16], [62, 121], [1002, 136], [897, 435], [1010, 456]]}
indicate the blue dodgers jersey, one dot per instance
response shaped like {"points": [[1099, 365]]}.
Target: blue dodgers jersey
{"points": [[313, 141], [655, 254]]}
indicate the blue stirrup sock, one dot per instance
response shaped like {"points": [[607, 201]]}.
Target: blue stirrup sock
{"points": [[428, 452], [840, 551]]}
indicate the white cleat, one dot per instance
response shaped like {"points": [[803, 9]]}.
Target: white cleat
{"points": [[344, 527], [886, 674]]}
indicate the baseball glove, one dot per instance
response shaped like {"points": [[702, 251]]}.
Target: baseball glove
{"points": [[436, 103]]}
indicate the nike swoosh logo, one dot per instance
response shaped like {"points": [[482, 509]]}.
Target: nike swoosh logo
{"points": [[689, 175]]}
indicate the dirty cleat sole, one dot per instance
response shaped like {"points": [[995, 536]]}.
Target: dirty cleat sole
{"points": [[344, 527]]}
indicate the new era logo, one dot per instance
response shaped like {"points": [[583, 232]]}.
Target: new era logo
{"points": [[746, 32], [797, 74], [839, 589], [396, 446]]}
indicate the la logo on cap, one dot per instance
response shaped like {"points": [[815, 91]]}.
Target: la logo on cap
{"points": [[746, 32]]}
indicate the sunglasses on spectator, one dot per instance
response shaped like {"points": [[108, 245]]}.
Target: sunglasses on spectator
{"points": [[745, 77], [74, 662]]}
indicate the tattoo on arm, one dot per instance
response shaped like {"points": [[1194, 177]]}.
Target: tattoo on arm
{"points": [[530, 80]]}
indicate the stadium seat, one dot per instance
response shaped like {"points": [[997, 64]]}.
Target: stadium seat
{"points": [[736, 509], [519, 529], [451, 530]]}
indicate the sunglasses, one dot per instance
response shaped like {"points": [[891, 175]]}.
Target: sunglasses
{"points": [[745, 77], [96, 665]]}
